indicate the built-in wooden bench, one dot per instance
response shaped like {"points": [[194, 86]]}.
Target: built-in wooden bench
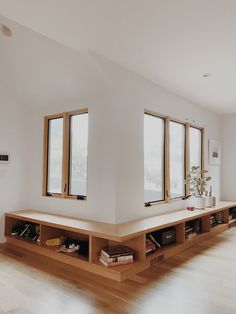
{"points": [[99, 235]]}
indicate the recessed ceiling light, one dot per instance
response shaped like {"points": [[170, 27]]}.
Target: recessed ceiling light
{"points": [[206, 75], [5, 30]]}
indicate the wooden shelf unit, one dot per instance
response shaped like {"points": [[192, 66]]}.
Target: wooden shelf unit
{"points": [[99, 235]]}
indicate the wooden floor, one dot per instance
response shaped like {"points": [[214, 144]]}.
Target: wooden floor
{"points": [[201, 280]]}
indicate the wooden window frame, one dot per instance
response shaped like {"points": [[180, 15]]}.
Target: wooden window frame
{"points": [[167, 119], [65, 153]]}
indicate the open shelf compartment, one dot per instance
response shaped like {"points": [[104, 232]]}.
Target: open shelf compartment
{"points": [[25, 227], [48, 233], [137, 244], [101, 235], [219, 218], [161, 252]]}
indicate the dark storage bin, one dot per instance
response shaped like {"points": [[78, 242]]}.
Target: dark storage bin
{"points": [[165, 236]]}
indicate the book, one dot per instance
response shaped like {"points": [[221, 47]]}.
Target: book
{"points": [[115, 263], [196, 225], [115, 251], [117, 258], [191, 235], [151, 237], [150, 246], [149, 251]]}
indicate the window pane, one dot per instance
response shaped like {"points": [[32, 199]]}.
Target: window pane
{"points": [[55, 142], [195, 142], [78, 154], [177, 160], [153, 158]]}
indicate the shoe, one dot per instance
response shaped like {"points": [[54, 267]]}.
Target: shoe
{"points": [[16, 230], [70, 246], [55, 241], [71, 249]]}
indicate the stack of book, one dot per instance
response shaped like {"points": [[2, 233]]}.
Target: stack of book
{"points": [[150, 246], [116, 255], [213, 221], [151, 243], [189, 233], [192, 228]]}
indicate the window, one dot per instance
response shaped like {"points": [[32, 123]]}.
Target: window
{"points": [[177, 160], [78, 154], [55, 146], [195, 147], [153, 158], [65, 155], [170, 148]]}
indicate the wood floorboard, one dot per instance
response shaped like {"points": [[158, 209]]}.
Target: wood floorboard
{"points": [[200, 280]]}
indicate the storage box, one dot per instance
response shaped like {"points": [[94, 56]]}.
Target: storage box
{"points": [[165, 236]]}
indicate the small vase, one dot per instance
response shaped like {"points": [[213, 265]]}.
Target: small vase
{"points": [[209, 201], [200, 202]]}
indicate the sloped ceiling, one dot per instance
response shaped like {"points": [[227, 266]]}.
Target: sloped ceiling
{"points": [[40, 71], [172, 43]]}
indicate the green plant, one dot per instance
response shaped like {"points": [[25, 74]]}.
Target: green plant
{"points": [[197, 181]]}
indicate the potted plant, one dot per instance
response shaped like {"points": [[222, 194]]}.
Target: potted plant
{"points": [[197, 181]]}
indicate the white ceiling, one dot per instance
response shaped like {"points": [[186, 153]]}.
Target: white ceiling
{"points": [[171, 42]]}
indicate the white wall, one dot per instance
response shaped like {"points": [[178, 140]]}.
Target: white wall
{"points": [[131, 95], [115, 165], [50, 78], [229, 157], [116, 100], [13, 140], [100, 203]]}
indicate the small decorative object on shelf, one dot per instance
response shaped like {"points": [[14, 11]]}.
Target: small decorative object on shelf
{"points": [[190, 208], [116, 256], [209, 198], [198, 180]]}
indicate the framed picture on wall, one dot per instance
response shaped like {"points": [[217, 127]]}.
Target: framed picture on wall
{"points": [[214, 152]]}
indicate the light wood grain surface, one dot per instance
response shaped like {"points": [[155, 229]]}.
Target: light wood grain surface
{"points": [[117, 232], [201, 280]]}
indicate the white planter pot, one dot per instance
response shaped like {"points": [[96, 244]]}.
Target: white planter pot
{"points": [[200, 202]]}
